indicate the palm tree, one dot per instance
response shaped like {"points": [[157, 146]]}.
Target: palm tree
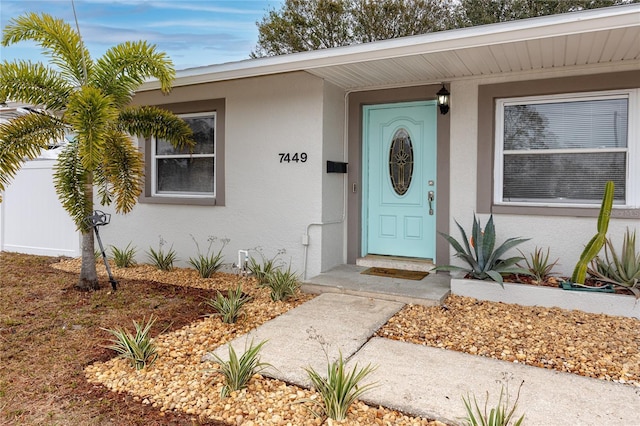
{"points": [[88, 100]]}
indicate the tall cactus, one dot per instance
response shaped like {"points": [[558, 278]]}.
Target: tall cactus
{"points": [[597, 242]]}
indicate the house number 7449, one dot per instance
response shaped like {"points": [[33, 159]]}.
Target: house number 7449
{"points": [[287, 157]]}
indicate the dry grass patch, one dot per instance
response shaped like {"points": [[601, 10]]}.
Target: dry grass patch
{"points": [[49, 332]]}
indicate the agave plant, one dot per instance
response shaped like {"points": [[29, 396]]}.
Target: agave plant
{"points": [[481, 254], [538, 264], [623, 269]]}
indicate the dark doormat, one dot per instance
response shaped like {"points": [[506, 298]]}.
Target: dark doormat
{"points": [[396, 273]]}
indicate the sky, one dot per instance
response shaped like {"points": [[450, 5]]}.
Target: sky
{"points": [[192, 32]]}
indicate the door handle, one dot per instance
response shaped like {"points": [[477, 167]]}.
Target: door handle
{"points": [[431, 197]]}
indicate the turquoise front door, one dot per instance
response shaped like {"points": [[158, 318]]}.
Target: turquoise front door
{"points": [[399, 179]]}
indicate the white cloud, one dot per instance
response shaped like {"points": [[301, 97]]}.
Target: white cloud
{"points": [[192, 33]]}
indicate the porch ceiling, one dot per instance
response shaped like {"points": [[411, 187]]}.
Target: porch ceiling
{"points": [[599, 36], [597, 47]]}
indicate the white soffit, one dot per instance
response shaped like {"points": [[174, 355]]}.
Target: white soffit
{"points": [[599, 36]]}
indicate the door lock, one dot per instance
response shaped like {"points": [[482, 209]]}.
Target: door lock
{"points": [[431, 197]]}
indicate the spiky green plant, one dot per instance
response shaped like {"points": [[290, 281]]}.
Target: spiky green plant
{"points": [[283, 284], [340, 388], [124, 258], [480, 253], [538, 264], [622, 270], [229, 307], [501, 414], [238, 371], [161, 259], [208, 263], [263, 268], [91, 100], [139, 348], [594, 246]]}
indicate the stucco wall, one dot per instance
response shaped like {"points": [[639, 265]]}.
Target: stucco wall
{"points": [[333, 184], [268, 204], [566, 236]]}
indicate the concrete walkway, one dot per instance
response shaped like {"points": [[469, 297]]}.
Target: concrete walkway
{"points": [[427, 381]]}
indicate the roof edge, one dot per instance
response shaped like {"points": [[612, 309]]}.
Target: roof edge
{"points": [[504, 32]]}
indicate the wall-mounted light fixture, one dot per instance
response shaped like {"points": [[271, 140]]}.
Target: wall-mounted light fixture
{"points": [[443, 100]]}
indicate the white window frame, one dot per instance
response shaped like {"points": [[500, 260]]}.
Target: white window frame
{"points": [[155, 157], [632, 196]]}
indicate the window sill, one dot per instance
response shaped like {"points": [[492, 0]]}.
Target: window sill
{"points": [[181, 201], [616, 213]]}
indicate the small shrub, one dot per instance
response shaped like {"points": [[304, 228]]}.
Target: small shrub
{"points": [[500, 415], [123, 258], [229, 307], [340, 389], [480, 253], [623, 269], [283, 284], [261, 270], [138, 349], [538, 264], [160, 259], [207, 264], [238, 371]]}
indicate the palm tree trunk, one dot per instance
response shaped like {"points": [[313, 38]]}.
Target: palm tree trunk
{"points": [[88, 275]]}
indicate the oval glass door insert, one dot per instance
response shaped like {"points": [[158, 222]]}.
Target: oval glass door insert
{"points": [[401, 161]]}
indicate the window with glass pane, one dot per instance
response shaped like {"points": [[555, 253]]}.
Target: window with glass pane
{"points": [[562, 151], [188, 171]]}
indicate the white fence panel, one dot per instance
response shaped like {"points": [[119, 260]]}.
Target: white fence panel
{"points": [[32, 219]]}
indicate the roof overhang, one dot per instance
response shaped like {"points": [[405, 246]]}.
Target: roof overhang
{"points": [[592, 37]]}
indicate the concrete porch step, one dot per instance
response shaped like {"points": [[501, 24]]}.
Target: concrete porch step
{"points": [[347, 279], [395, 262]]}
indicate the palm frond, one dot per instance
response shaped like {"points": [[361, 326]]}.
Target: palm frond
{"points": [[24, 138], [71, 181], [126, 66], [149, 120], [91, 115], [124, 170], [34, 84], [101, 183], [60, 42]]}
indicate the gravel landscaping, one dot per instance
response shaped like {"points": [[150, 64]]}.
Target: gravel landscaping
{"points": [[591, 345], [178, 380]]}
